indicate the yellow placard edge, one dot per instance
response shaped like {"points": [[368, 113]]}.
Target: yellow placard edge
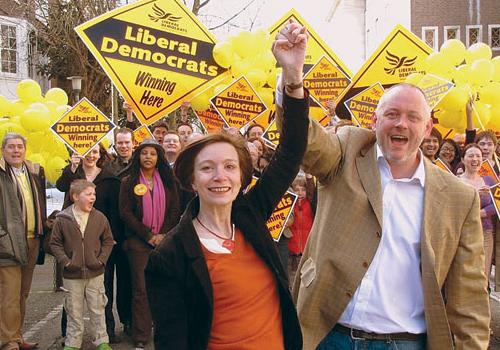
{"points": [[68, 111]]}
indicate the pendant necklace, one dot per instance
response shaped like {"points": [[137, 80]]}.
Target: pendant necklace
{"points": [[226, 243]]}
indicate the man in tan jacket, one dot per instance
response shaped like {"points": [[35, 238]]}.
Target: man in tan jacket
{"points": [[395, 257]]}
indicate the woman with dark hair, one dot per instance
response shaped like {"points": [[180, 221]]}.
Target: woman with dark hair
{"points": [[472, 160], [149, 207], [93, 168], [449, 153], [216, 282]]}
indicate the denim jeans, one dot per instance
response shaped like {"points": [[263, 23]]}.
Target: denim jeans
{"points": [[339, 341]]}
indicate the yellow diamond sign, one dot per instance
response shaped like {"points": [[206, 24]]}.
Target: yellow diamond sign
{"points": [[238, 104], [142, 133], [156, 52], [363, 105], [400, 54], [82, 127], [326, 81], [316, 47]]}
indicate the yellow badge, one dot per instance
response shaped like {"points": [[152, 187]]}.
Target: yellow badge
{"points": [[140, 189]]}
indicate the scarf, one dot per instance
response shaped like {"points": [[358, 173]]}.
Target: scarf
{"points": [[153, 203]]}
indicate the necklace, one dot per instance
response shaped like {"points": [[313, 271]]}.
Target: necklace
{"points": [[227, 243]]}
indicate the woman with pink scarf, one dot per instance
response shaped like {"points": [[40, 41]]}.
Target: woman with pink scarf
{"points": [[149, 207]]}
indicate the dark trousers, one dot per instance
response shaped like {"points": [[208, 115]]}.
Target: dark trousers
{"points": [[123, 286], [117, 261], [339, 341], [142, 323]]}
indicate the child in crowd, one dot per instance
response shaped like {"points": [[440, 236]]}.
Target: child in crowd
{"points": [[82, 241], [303, 216]]}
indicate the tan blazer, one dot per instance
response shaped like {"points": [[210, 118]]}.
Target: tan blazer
{"points": [[347, 230]]}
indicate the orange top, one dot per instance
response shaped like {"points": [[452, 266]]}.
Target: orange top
{"points": [[247, 314]]}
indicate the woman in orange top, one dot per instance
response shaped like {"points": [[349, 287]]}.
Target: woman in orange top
{"points": [[216, 281]]}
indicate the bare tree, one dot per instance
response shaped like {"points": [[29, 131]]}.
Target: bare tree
{"points": [[66, 54]]}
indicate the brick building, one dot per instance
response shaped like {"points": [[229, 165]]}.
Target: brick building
{"points": [[471, 21]]}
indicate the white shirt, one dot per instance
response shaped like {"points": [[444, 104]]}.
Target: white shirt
{"points": [[390, 296]]}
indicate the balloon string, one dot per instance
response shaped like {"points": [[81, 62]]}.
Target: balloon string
{"points": [[478, 116]]}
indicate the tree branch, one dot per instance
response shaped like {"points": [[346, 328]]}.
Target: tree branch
{"points": [[233, 16]]}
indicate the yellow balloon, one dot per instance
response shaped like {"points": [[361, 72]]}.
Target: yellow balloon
{"points": [[10, 126], [36, 158], [495, 116], [460, 75], [247, 44], [17, 108], [256, 77], [478, 51], [241, 67], [453, 119], [219, 88], [57, 95], [5, 106], [456, 99], [60, 110], [29, 91], [201, 102], [454, 50], [223, 54], [490, 93], [481, 71], [496, 64], [266, 61], [267, 96], [272, 78], [54, 167], [414, 78], [436, 63], [481, 114], [36, 118]]}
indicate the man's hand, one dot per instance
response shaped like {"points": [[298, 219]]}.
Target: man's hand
{"points": [[289, 48]]}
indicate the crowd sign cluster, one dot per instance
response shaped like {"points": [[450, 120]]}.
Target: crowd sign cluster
{"points": [[160, 56]]}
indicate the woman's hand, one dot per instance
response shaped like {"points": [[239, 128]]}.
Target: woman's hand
{"points": [[75, 161], [289, 48], [156, 239]]}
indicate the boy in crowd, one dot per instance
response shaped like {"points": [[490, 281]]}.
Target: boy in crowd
{"points": [[82, 242]]}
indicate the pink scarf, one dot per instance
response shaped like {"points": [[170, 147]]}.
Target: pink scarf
{"points": [[153, 207]]}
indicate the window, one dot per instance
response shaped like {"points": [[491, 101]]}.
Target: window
{"points": [[474, 35], [494, 36], [8, 49], [430, 36], [451, 32]]}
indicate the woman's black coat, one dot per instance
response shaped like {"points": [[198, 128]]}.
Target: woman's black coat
{"points": [[177, 278]]}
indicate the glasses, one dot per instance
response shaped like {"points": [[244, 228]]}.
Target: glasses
{"points": [[447, 149]]}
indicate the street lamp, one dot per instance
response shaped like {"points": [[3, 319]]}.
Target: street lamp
{"points": [[76, 86]]}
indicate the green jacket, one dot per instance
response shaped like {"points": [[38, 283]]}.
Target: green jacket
{"points": [[13, 243]]}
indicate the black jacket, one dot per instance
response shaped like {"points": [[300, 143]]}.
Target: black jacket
{"points": [[107, 190], [177, 278]]}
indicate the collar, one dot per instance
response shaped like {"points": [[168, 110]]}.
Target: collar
{"points": [[19, 171], [418, 175]]}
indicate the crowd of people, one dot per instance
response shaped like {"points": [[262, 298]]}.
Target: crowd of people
{"points": [[383, 250]]}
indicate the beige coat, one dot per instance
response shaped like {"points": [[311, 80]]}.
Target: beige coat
{"points": [[347, 231]]}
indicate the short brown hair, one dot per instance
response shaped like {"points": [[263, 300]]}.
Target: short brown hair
{"points": [[159, 124], [77, 186], [184, 165], [124, 131], [486, 134]]}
